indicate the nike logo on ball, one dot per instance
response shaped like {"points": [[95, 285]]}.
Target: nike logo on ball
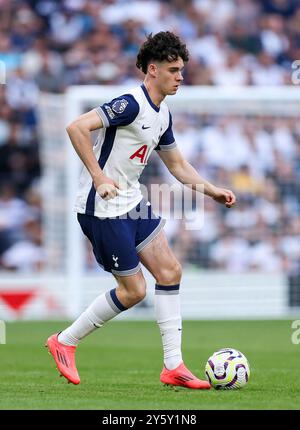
{"points": [[144, 128]]}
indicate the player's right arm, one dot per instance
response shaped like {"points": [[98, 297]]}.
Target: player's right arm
{"points": [[79, 132]]}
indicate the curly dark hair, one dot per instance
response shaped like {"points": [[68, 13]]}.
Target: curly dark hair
{"points": [[163, 46]]}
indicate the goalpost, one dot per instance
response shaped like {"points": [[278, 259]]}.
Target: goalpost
{"points": [[210, 294]]}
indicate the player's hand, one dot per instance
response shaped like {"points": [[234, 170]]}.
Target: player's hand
{"points": [[106, 188], [224, 196]]}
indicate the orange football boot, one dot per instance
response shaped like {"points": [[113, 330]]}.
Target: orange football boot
{"points": [[181, 376], [64, 357]]}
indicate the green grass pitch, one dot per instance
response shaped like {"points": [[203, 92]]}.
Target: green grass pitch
{"points": [[120, 364]]}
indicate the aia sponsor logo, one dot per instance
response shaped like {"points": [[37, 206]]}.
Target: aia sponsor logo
{"points": [[141, 154]]}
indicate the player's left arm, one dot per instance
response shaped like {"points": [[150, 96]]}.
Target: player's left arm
{"points": [[185, 173]]}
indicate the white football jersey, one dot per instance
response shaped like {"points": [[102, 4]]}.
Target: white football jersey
{"points": [[133, 127]]}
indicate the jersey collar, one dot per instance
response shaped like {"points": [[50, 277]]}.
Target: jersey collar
{"points": [[156, 108]]}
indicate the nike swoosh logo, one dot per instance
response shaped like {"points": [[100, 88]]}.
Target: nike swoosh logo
{"points": [[144, 128]]}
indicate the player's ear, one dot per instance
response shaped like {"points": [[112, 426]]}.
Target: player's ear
{"points": [[152, 70]]}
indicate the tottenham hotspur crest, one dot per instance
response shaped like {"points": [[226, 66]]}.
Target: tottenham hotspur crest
{"points": [[115, 260]]}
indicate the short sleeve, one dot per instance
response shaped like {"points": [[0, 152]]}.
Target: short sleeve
{"points": [[167, 140], [119, 112]]}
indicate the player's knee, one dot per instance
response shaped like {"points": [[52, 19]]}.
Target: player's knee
{"points": [[170, 275]]}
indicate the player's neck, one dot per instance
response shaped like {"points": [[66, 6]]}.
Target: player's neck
{"points": [[156, 96]]}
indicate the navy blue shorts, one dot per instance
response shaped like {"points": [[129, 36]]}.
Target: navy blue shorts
{"points": [[117, 241]]}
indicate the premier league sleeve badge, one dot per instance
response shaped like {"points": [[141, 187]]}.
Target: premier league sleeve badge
{"points": [[119, 105]]}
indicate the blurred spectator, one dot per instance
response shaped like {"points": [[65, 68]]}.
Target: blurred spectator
{"points": [[231, 253], [233, 72], [266, 71], [66, 27], [273, 37], [244, 183], [285, 8], [13, 215], [10, 57], [264, 256], [26, 255]]}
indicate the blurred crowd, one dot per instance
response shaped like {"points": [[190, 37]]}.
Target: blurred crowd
{"points": [[258, 158], [48, 45]]}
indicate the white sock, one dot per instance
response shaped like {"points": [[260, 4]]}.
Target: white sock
{"points": [[167, 309], [102, 309]]}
